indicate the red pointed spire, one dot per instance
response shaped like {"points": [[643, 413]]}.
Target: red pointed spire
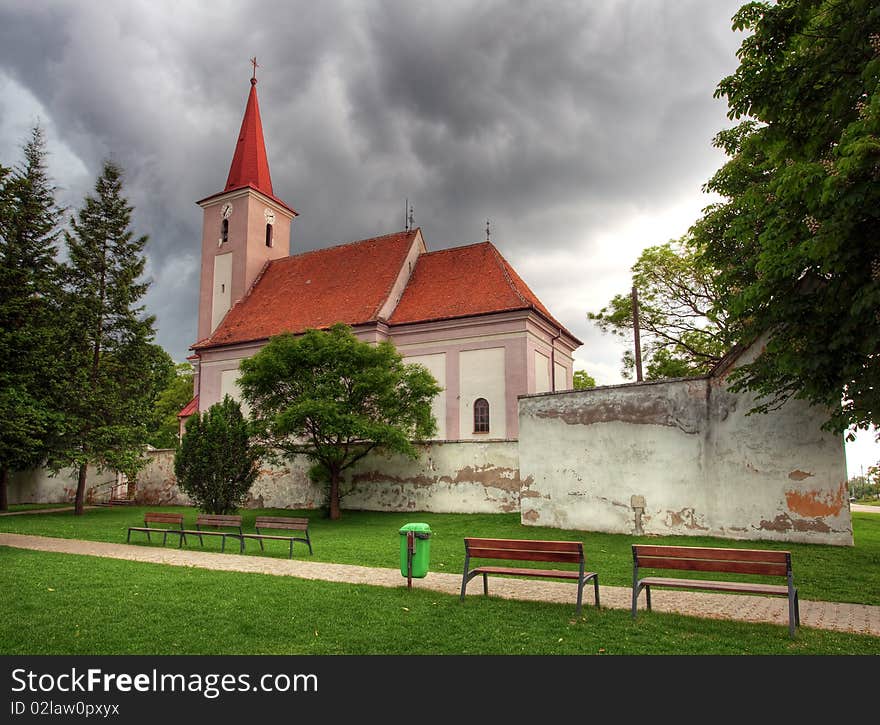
{"points": [[250, 166]]}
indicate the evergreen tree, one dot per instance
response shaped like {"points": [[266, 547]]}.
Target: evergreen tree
{"points": [[216, 464], [29, 293], [115, 371]]}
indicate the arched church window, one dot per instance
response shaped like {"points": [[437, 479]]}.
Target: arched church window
{"points": [[481, 415], [268, 235], [224, 231]]}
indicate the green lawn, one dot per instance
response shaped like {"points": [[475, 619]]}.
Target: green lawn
{"points": [[833, 573], [65, 604]]}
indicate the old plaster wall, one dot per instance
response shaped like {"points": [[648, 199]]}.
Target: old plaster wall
{"points": [[447, 477], [460, 476], [41, 486], [681, 457]]}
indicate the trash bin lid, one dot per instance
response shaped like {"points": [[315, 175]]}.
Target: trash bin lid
{"points": [[424, 528]]}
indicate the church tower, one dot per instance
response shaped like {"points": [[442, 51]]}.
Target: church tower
{"points": [[244, 226]]}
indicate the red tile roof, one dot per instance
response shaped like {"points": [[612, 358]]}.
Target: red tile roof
{"points": [[462, 282], [348, 283], [191, 407], [250, 165]]}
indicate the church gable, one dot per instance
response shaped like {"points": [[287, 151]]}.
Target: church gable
{"points": [[465, 282]]}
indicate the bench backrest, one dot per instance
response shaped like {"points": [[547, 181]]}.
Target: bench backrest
{"points": [[526, 550], [152, 517], [219, 520], [690, 558], [291, 523]]}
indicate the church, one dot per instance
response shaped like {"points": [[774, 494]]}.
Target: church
{"points": [[462, 312]]}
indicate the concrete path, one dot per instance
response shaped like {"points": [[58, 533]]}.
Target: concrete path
{"points": [[859, 618], [862, 508], [51, 510]]}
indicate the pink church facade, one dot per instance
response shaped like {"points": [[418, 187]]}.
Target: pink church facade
{"points": [[462, 312]]}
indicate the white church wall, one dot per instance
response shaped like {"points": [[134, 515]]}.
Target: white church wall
{"points": [[542, 372], [561, 378], [482, 375], [436, 365]]}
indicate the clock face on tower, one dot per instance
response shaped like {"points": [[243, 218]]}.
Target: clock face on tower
{"points": [[270, 216], [226, 210]]}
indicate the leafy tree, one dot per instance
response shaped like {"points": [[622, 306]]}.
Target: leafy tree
{"points": [[177, 393], [582, 379], [115, 371], [682, 331], [216, 464], [29, 291], [332, 398], [797, 237]]}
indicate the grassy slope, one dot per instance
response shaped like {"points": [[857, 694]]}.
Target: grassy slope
{"points": [[63, 604], [833, 573]]}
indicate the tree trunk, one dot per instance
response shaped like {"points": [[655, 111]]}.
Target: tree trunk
{"points": [[334, 495], [80, 490], [4, 486]]}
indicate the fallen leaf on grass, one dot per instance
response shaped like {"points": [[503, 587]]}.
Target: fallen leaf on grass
{"points": [[405, 609], [50, 589]]}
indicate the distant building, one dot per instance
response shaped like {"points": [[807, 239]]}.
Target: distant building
{"points": [[463, 312]]}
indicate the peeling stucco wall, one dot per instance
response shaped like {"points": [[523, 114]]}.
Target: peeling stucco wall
{"points": [[460, 476], [41, 486], [681, 457], [446, 477]]}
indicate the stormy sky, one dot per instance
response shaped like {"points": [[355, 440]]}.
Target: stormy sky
{"points": [[581, 130]]}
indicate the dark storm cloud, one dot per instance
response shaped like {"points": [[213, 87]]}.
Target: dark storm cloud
{"points": [[557, 120]]}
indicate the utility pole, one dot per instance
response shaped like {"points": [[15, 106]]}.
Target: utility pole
{"points": [[635, 299]]}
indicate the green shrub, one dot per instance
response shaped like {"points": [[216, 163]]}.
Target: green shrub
{"points": [[216, 464]]}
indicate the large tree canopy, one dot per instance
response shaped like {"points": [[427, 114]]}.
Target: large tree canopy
{"points": [[333, 398], [682, 331], [797, 238]]}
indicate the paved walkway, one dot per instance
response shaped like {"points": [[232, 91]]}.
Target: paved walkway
{"points": [[859, 618], [52, 510]]}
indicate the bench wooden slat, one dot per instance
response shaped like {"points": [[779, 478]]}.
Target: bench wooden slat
{"points": [[513, 571], [159, 518], [733, 567], [693, 552], [218, 520], [772, 589], [281, 522], [525, 555], [530, 544]]}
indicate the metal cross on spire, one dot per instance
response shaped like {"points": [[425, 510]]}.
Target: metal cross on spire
{"points": [[255, 65], [487, 230]]}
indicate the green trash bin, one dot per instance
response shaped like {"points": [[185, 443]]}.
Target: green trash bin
{"points": [[421, 546]]}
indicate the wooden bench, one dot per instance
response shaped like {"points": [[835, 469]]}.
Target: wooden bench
{"points": [[732, 561], [153, 517], [217, 521], [528, 550], [283, 523]]}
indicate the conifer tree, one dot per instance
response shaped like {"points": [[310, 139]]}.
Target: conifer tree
{"points": [[115, 369], [29, 293]]}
